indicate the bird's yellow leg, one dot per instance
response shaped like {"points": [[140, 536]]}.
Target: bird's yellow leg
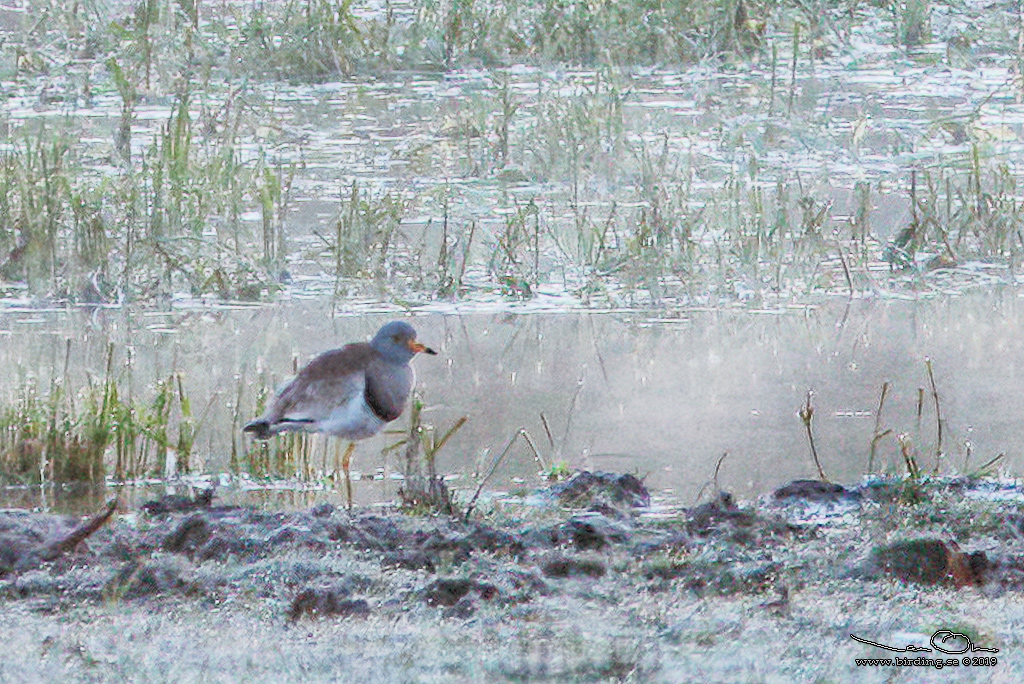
{"points": [[346, 460]]}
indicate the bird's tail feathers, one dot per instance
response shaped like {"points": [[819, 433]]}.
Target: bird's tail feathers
{"points": [[259, 428], [262, 428]]}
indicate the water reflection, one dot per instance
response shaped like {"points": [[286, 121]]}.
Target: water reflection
{"points": [[660, 396]]}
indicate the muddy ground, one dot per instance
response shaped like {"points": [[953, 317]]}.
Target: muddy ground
{"points": [[586, 583]]}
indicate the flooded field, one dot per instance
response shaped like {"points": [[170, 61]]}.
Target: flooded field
{"points": [[618, 391], [801, 154], [644, 268]]}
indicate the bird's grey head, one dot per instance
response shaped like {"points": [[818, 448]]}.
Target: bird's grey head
{"points": [[396, 342]]}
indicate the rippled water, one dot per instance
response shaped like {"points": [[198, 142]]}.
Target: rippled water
{"points": [[647, 382], [623, 391], [583, 141]]}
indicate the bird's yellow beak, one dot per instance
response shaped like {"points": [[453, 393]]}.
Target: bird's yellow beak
{"points": [[415, 347]]}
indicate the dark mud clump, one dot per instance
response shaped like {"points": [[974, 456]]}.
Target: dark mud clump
{"points": [[723, 519], [327, 602], [815, 491], [603, 492], [458, 594], [176, 503], [573, 566], [930, 561], [448, 592]]}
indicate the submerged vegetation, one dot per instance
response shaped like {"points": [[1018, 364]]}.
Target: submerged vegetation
{"points": [[161, 148], [100, 430]]}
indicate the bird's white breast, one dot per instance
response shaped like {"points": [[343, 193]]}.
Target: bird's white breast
{"points": [[351, 420]]}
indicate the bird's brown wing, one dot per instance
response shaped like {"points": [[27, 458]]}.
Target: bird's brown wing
{"points": [[329, 380]]}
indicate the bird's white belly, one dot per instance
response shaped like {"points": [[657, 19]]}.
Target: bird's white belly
{"points": [[352, 420]]}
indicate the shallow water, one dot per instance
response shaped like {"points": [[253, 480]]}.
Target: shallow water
{"points": [[703, 141], [623, 391]]}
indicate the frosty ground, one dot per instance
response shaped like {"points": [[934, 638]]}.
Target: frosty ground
{"points": [[585, 583]]}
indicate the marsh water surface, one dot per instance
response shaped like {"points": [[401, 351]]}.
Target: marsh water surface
{"points": [[643, 268], [621, 391]]}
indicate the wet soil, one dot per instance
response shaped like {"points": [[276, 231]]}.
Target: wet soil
{"points": [[587, 583]]}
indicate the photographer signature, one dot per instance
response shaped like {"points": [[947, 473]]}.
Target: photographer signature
{"points": [[942, 636]]}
